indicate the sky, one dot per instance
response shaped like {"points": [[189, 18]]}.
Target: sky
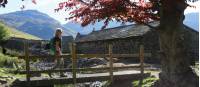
{"points": [[44, 6], [48, 6]]}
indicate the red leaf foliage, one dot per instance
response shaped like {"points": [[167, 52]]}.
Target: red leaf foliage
{"points": [[34, 1], [90, 11], [3, 3]]}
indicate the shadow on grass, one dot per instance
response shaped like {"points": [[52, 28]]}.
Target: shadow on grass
{"points": [[147, 82]]}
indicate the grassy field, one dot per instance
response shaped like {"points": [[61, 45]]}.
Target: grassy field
{"points": [[8, 66], [9, 75], [15, 33], [7, 61], [147, 82]]}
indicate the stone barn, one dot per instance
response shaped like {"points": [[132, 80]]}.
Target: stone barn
{"points": [[127, 39], [17, 44], [65, 43]]}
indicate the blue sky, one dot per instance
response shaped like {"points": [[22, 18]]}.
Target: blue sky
{"points": [[48, 6], [44, 6]]}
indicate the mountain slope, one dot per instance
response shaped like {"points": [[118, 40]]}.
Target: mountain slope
{"points": [[15, 33], [191, 20], [34, 23], [87, 29]]}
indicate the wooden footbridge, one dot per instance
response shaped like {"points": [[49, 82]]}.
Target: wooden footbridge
{"points": [[81, 78]]}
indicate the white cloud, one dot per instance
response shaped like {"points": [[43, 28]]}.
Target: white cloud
{"points": [[191, 9], [48, 6], [192, 15]]}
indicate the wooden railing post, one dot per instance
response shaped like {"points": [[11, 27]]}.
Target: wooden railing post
{"points": [[110, 62], [26, 51], [142, 58], [74, 60], [141, 64]]}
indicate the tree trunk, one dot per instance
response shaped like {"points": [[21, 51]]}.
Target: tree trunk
{"points": [[176, 70]]}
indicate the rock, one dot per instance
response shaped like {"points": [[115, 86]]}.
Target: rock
{"points": [[3, 81], [90, 62], [13, 77], [4, 76], [1, 70], [96, 84], [36, 75]]}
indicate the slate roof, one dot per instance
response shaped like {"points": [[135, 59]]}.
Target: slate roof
{"points": [[117, 32], [67, 37], [78, 36]]}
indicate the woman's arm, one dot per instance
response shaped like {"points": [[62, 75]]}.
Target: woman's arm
{"points": [[58, 49]]}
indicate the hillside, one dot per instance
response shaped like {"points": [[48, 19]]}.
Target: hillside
{"points": [[87, 29], [191, 20], [35, 23], [15, 33]]}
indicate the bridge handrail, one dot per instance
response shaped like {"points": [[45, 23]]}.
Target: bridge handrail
{"points": [[85, 56], [74, 56], [80, 69]]}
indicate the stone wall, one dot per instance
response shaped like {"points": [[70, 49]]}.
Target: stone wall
{"points": [[131, 45], [123, 46], [35, 47], [191, 40], [66, 40]]}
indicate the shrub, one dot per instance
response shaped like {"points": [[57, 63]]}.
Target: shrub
{"points": [[7, 61], [3, 34]]}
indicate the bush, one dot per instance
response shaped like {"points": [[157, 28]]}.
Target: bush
{"points": [[13, 53], [7, 61], [3, 34]]}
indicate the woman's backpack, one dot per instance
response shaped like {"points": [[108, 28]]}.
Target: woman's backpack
{"points": [[51, 46]]}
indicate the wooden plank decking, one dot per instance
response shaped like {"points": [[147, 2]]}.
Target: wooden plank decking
{"points": [[80, 78]]}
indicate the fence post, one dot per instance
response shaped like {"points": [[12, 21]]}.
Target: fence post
{"points": [[110, 63], [26, 46], [74, 60], [141, 54]]}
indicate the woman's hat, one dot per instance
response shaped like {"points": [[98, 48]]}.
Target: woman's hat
{"points": [[59, 30]]}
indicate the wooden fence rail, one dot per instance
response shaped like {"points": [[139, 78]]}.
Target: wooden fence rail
{"points": [[86, 56], [82, 69], [27, 62], [74, 57], [110, 62]]}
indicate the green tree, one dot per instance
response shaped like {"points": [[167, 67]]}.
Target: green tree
{"points": [[3, 37], [3, 34]]}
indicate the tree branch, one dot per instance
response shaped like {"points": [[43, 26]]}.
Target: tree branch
{"points": [[84, 2]]}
